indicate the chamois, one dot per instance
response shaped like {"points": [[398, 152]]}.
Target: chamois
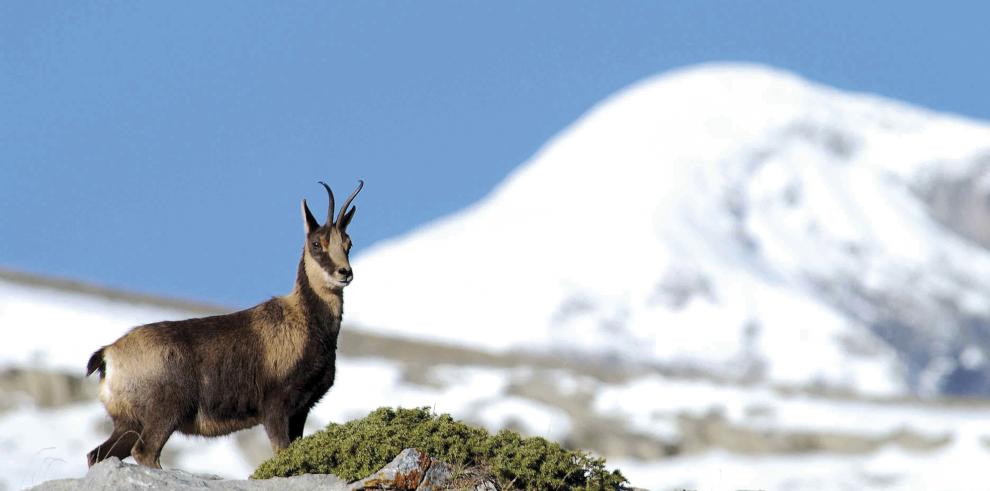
{"points": [[210, 376]]}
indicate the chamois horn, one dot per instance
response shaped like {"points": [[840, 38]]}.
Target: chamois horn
{"points": [[330, 209], [347, 203]]}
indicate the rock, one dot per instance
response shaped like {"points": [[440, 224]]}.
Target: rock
{"points": [[112, 474], [437, 477], [411, 470], [485, 486]]}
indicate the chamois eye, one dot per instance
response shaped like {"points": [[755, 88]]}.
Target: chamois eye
{"points": [[316, 244]]}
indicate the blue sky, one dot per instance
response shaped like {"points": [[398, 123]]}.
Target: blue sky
{"points": [[164, 147]]}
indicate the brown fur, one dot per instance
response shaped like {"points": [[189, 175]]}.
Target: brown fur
{"points": [[211, 376]]}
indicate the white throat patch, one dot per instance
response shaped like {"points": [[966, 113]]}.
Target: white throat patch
{"points": [[331, 281]]}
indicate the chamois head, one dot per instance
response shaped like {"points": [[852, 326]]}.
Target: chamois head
{"points": [[328, 245]]}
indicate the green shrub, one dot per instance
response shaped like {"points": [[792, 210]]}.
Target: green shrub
{"points": [[355, 449]]}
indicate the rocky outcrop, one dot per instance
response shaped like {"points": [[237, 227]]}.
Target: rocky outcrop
{"points": [[112, 474], [411, 470]]}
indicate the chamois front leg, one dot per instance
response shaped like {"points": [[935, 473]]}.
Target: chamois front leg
{"points": [[277, 428], [297, 422]]}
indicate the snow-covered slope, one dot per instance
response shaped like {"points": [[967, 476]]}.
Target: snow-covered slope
{"points": [[732, 219], [54, 324]]}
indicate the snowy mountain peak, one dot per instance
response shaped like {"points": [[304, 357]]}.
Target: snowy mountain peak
{"points": [[727, 218]]}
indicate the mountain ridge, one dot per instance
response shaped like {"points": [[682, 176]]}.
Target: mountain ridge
{"points": [[714, 218]]}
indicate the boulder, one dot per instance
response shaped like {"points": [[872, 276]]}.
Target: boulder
{"points": [[112, 474], [411, 470]]}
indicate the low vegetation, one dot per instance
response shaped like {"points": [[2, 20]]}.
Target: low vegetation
{"points": [[355, 449]]}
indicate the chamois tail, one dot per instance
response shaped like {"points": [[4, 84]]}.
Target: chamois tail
{"points": [[96, 362]]}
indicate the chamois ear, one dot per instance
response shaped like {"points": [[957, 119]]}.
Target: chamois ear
{"points": [[308, 219], [347, 219]]}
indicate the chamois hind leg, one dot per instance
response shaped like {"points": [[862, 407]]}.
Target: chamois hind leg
{"points": [[297, 423], [155, 433], [119, 445]]}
